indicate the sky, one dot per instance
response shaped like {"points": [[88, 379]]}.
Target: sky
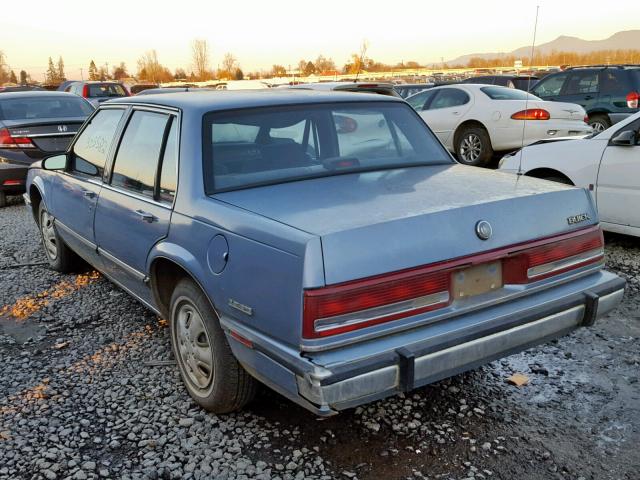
{"points": [[262, 33]]}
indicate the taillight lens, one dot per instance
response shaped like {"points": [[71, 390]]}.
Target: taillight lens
{"points": [[554, 258], [7, 141], [531, 114], [362, 303], [10, 183], [354, 305], [633, 99], [586, 119], [85, 91]]}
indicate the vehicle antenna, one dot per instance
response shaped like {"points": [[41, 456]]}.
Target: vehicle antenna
{"points": [[526, 102]]}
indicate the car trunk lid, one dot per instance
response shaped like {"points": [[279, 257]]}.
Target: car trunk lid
{"points": [[48, 135], [378, 222]]}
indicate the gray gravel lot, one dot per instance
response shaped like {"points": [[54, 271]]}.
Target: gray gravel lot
{"points": [[88, 390]]}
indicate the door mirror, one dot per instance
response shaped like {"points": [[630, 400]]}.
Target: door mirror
{"points": [[625, 139], [57, 162]]}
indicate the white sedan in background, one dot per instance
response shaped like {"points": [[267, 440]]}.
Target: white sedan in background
{"points": [[607, 164], [474, 121]]}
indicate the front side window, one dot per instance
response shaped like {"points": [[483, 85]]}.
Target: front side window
{"points": [[549, 87], [449, 97], [137, 158], [92, 146], [274, 145]]}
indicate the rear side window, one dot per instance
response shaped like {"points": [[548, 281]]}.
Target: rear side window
{"points": [[550, 86], [420, 100], [614, 82], [137, 158], [36, 108], [581, 82], [169, 168], [449, 97], [92, 146]]}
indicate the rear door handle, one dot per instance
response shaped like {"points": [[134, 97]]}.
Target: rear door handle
{"points": [[88, 194], [145, 216]]}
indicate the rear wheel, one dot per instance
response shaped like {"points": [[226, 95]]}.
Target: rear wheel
{"points": [[212, 375], [599, 122], [473, 146], [60, 257]]}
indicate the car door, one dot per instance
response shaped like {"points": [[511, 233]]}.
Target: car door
{"points": [[445, 111], [581, 87], [77, 188], [618, 184], [134, 208]]}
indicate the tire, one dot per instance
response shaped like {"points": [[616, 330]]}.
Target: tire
{"points": [[60, 257], [599, 122], [3, 199], [473, 146], [212, 375]]}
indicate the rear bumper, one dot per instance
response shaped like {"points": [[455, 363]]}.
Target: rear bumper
{"points": [[333, 381], [12, 178], [618, 117]]}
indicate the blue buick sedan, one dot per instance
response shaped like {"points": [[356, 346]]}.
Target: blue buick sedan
{"points": [[324, 244]]}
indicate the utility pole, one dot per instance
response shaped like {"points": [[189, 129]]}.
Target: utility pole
{"points": [[81, 74]]}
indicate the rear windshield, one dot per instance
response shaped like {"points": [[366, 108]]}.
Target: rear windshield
{"points": [[106, 90], [26, 108], [263, 146], [524, 83], [504, 93]]}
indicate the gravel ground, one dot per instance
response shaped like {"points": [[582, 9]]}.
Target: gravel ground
{"points": [[88, 389]]}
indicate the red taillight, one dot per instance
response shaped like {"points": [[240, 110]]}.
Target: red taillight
{"points": [[7, 141], [586, 119], [9, 183], [531, 114], [554, 258], [632, 99], [363, 303], [85, 91], [359, 304]]}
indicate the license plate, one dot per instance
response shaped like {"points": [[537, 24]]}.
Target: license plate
{"points": [[477, 280]]}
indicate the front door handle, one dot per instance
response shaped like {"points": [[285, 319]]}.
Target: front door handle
{"points": [[145, 216], [456, 113], [88, 194]]}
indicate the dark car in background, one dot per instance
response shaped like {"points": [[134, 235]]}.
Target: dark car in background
{"points": [[521, 82], [405, 90], [98, 92], [21, 88], [34, 125], [609, 93]]}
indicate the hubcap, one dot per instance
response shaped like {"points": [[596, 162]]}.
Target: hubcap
{"points": [[194, 346], [470, 148], [598, 127], [48, 235]]}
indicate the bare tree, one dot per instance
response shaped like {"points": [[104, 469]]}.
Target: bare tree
{"points": [[229, 62], [149, 67], [200, 58]]}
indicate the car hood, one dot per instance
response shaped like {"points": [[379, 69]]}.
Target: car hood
{"points": [[376, 222]]}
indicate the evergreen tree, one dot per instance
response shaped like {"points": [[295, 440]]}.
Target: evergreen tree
{"points": [[23, 77], [61, 75], [12, 77], [51, 77], [93, 71]]}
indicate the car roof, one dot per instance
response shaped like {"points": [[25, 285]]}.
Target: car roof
{"points": [[220, 100], [339, 85], [36, 94]]}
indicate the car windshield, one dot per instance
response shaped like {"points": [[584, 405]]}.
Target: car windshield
{"points": [[504, 93], [106, 90], [30, 108], [263, 146]]}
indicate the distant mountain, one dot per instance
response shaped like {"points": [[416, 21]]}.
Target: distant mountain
{"points": [[628, 39]]}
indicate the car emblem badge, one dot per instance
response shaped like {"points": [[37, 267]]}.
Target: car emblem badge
{"points": [[484, 230], [62, 128], [582, 217]]}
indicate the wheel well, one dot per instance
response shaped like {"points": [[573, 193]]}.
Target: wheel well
{"points": [[548, 172], [36, 198], [595, 113], [170, 273], [463, 125]]}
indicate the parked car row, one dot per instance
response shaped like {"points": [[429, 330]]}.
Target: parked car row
{"points": [[325, 244]]}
